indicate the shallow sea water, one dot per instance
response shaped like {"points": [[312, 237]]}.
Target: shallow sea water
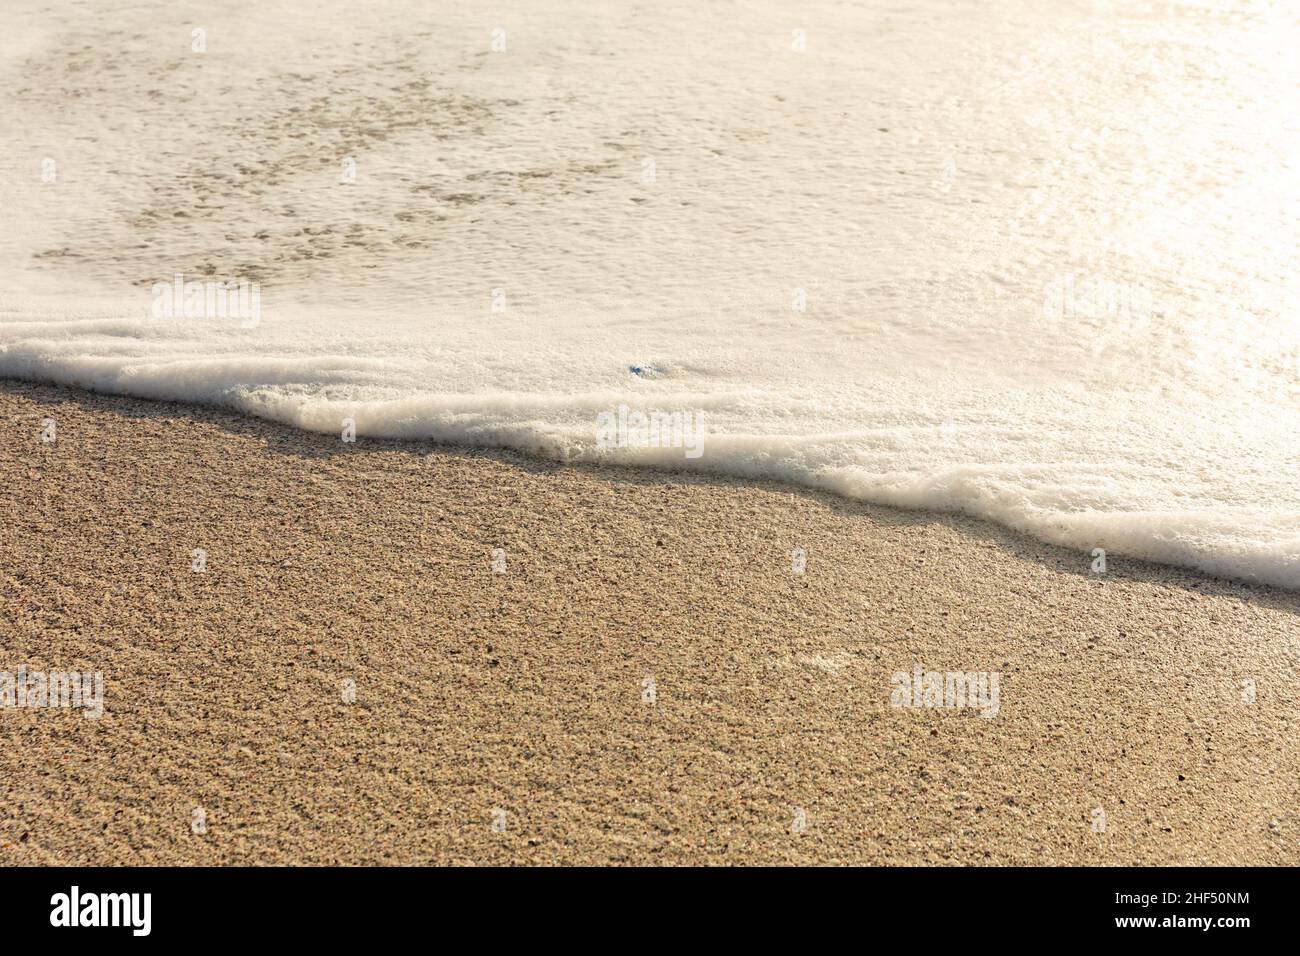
{"points": [[1031, 261]]}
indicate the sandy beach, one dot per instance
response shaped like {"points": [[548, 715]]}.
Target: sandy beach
{"points": [[637, 677]]}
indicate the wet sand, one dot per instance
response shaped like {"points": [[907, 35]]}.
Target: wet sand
{"points": [[1146, 715]]}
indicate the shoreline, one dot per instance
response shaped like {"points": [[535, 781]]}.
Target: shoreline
{"points": [[525, 690], [426, 446]]}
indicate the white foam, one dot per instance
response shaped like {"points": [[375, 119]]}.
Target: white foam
{"points": [[957, 214]]}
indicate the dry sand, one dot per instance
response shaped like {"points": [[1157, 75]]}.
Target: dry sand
{"points": [[524, 691]]}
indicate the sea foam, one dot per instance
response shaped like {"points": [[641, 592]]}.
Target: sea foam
{"points": [[895, 261]]}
